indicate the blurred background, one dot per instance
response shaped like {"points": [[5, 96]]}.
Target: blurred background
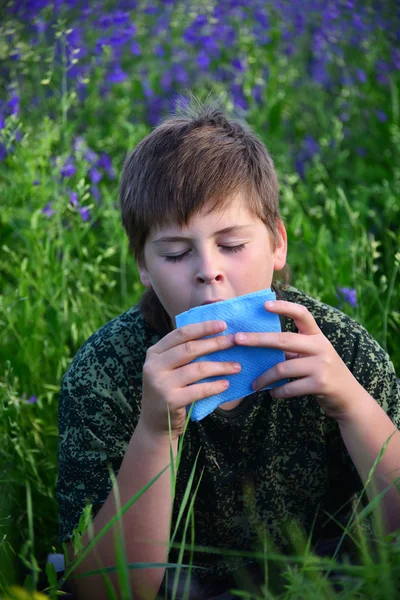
{"points": [[81, 83]]}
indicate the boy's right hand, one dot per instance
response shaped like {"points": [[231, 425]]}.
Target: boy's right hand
{"points": [[167, 375]]}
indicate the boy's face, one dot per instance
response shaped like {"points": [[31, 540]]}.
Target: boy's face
{"points": [[218, 256]]}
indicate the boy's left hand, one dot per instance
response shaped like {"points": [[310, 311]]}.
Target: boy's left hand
{"points": [[311, 360]]}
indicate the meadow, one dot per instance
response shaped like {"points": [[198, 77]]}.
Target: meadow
{"points": [[80, 85]]}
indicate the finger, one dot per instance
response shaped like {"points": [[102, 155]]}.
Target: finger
{"points": [[188, 332], [302, 317], [188, 351], [301, 367], [199, 391], [195, 372], [300, 387], [288, 342]]}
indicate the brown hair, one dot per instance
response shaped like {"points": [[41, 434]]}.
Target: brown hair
{"points": [[194, 159]]}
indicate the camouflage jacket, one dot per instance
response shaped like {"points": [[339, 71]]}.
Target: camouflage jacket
{"points": [[269, 468]]}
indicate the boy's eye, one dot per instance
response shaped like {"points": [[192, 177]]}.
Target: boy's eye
{"points": [[229, 249]]}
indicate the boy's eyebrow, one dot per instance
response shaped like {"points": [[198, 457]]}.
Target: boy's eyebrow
{"points": [[180, 238]]}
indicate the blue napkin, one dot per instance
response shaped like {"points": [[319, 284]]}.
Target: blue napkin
{"points": [[243, 313]]}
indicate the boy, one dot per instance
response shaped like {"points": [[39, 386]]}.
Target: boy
{"points": [[199, 202]]}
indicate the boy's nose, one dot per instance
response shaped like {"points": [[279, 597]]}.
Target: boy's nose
{"points": [[208, 276]]}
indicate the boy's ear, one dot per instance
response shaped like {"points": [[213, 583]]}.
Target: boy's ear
{"points": [[281, 247], [143, 274]]}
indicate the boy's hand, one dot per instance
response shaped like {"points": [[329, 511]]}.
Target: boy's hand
{"points": [[167, 375], [311, 360]]}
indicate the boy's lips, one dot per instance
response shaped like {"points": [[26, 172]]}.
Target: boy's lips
{"points": [[212, 301]]}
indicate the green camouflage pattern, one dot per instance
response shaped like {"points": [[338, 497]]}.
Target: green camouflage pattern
{"points": [[268, 467]]}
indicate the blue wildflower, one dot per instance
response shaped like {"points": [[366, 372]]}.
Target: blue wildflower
{"points": [[104, 162], [13, 105], [396, 58], [79, 144], [117, 75], [120, 17], [94, 190], [68, 170], [238, 64], [203, 60], [349, 295], [89, 155], [73, 199], [382, 116], [105, 21], [48, 211], [159, 50], [135, 49], [361, 76], [85, 213], [95, 175]]}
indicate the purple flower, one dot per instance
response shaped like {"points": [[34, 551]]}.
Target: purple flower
{"points": [[203, 60], [261, 17], [151, 9], [310, 145], [2, 121], [102, 41], [85, 213], [349, 295], [95, 175], [122, 36], [382, 71], [32, 400], [159, 50], [105, 21], [40, 25], [180, 74], [48, 211], [396, 58], [104, 162], [3, 152], [135, 49], [79, 144], [361, 76], [94, 190], [211, 46], [238, 64], [89, 155], [36, 182], [117, 75], [68, 170], [120, 17], [166, 81], [238, 97], [257, 93], [13, 104], [73, 199], [382, 116]]}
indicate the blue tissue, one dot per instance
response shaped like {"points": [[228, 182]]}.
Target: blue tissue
{"points": [[243, 313]]}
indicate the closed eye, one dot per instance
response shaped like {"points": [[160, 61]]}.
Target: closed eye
{"points": [[228, 249]]}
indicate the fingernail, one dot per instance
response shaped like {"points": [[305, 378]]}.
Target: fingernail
{"points": [[270, 304], [237, 366], [254, 386], [240, 337]]}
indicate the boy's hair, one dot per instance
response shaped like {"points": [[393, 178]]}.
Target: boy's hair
{"points": [[197, 158]]}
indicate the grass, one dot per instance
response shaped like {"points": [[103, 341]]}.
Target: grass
{"points": [[66, 271]]}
